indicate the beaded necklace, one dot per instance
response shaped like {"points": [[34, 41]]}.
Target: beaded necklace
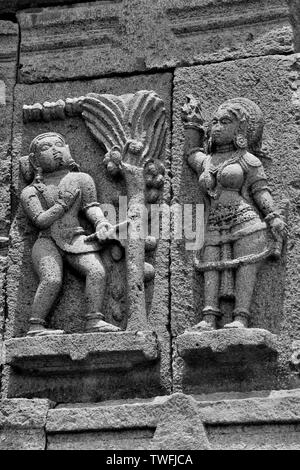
{"points": [[212, 174]]}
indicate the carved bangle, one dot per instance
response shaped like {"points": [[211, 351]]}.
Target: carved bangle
{"points": [[62, 204], [91, 204], [36, 216], [195, 149], [101, 223], [271, 216], [193, 125]]}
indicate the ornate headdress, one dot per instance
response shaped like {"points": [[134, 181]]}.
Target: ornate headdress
{"points": [[34, 144], [251, 123], [28, 170]]}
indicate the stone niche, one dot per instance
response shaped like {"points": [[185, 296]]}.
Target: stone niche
{"points": [[77, 366], [258, 358]]}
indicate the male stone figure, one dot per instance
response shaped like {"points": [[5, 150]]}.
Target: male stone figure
{"points": [[52, 202]]}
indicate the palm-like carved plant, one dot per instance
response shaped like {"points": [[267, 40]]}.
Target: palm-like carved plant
{"points": [[133, 129]]}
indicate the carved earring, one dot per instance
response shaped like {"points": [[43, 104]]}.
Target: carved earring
{"points": [[240, 141], [209, 145], [38, 174], [38, 171]]}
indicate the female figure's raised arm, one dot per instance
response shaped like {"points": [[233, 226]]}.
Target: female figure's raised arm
{"points": [[194, 133]]}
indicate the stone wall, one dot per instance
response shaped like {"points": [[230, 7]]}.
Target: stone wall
{"points": [[163, 388]]}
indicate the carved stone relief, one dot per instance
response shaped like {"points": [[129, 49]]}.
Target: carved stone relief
{"points": [[64, 221], [230, 331], [133, 129], [242, 224], [113, 336]]}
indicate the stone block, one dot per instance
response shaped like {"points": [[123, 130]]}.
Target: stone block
{"points": [[270, 423], [275, 407], [272, 82], [22, 424], [134, 35], [179, 426], [82, 352]]}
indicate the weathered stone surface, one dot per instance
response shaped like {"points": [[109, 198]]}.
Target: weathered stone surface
{"points": [[170, 422], [127, 439], [257, 437], [230, 346], [295, 20], [88, 351], [281, 409], [179, 426], [8, 67], [68, 313], [174, 422], [22, 424], [163, 423], [273, 83], [107, 415], [256, 423], [135, 35]]}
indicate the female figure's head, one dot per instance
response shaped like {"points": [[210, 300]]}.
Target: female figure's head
{"points": [[238, 121]]}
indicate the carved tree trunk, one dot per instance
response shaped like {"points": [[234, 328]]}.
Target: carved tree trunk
{"points": [[133, 129], [135, 254]]}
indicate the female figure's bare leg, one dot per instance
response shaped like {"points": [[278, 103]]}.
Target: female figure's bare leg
{"points": [[48, 265], [246, 277], [211, 291], [91, 267]]}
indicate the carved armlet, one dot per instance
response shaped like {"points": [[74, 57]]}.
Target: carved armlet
{"points": [[271, 216]]}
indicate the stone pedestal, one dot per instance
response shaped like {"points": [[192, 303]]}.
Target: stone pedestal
{"points": [[273, 83], [225, 359], [230, 346], [83, 367], [82, 352]]}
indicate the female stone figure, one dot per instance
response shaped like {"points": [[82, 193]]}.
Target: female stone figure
{"points": [[52, 202], [242, 226]]}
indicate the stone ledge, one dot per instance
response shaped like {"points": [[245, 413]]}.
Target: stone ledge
{"points": [[271, 409], [80, 352], [275, 408], [172, 420], [228, 345], [177, 421]]}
